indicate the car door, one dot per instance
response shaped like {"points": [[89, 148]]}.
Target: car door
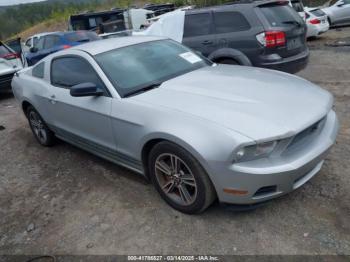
{"points": [[233, 30], [198, 32], [82, 120], [343, 11]]}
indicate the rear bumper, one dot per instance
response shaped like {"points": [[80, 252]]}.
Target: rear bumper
{"points": [[5, 82], [291, 64]]}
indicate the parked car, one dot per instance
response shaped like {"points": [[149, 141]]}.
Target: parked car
{"points": [[56, 41], [338, 12], [298, 7], [32, 41], [316, 21], [10, 63], [266, 34], [198, 130]]}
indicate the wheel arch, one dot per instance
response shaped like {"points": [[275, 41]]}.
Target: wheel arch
{"points": [[230, 53], [25, 105], [154, 139]]}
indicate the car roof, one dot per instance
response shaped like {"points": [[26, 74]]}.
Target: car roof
{"points": [[105, 45], [237, 3]]}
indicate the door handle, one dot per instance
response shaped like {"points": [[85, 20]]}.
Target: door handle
{"points": [[53, 99], [207, 42]]}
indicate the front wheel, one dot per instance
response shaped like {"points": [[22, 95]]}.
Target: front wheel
{"points": [[40, 130], [180, 179]]}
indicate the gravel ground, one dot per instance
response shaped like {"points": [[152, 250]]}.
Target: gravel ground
{"points": [[62, 200]]}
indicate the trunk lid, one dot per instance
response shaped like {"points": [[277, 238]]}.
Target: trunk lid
{"points": [[279, 16]]}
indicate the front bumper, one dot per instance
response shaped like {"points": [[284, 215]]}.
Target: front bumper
{"points": [[264, 179]]}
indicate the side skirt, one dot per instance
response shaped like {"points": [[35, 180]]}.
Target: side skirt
{"points": [[101, 151]]}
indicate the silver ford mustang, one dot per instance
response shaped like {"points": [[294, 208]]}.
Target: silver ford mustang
{"points": [[199, 131]]}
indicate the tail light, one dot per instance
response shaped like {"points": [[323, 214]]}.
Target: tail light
{"points": [[66, 46], [315, 21], [272, 38], [11, 56]]}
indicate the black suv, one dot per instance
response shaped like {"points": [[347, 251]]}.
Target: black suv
{"points": [[266, 34]]}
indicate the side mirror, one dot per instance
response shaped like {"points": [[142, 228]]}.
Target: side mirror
{"points": [[33, 49], [340, 4], [85, 89]]}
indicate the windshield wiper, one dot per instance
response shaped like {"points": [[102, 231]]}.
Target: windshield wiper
{"points": [[144, 89], [291, 23]]}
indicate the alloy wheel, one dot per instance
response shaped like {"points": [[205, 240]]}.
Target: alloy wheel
{"points": [[38, 126], [176, 179]]}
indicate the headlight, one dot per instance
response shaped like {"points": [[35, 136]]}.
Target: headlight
{"points": [[256, 151]]}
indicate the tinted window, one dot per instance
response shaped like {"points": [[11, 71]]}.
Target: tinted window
{"points": [[317, 12], [135, 67], [197, 24], [40, 43], [280, 15], [226, 22], [82, 36], [38, 70], [28, 43], [3, 51], [70, 71], [298, 6], [51, 41]]}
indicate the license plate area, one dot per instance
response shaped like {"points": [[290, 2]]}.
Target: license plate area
{"points": [[293, 43]]}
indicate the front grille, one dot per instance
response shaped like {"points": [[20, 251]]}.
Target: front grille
{"points": [[5, 79], [306, 134]]}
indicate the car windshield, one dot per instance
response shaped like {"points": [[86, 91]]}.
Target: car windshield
{"points": [[138, 67]]}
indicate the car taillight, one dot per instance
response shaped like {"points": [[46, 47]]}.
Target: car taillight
{"points": [[11, 56], [272, 38], [315, 21], [66, 46]]}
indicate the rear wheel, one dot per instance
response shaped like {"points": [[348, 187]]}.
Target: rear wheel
{"points": [[40, 130], [180, 179]]}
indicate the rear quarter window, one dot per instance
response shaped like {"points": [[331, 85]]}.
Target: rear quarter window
{"points": [[280, 15], [226, 22], [38, 70]]}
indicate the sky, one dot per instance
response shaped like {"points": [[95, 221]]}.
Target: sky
{"points": [[16, 2]]}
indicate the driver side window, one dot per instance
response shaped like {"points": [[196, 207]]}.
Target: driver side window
{"points": [[69, 71]]}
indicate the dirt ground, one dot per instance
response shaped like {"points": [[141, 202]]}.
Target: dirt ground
{"points": [[62, 200]]}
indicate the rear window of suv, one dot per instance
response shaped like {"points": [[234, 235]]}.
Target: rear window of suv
{"points": [[280, 15]]}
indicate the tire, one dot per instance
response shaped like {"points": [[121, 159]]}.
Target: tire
{"points": [[189, 177], [40, 130], [228, 61]]}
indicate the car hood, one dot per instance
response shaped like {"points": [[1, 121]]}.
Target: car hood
{"points": [[258, 103]]}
